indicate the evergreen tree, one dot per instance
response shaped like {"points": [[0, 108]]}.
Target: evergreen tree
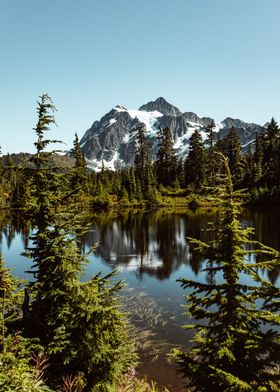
{"points": [[79, 325], [78, 178], [132, 186], [210, 135], [258, 159], [211, 167], [231, 148], [166, 160], [17, 371], [10, 302], [251, 172], [231, 351], [194, 166], [141, 151], [143, 168], [271, 150], [1, 164]]}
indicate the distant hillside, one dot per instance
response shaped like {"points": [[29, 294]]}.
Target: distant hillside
{"points": [[23, 159]]}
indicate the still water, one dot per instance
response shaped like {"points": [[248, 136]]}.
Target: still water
{"points": [[149, 251]]}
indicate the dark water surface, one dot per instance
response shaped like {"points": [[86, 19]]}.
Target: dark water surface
{"points": [[149, 250]]}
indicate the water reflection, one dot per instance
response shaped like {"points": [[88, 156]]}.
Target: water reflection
{"points": [[155, 243], [150, 243], [13, 225]]}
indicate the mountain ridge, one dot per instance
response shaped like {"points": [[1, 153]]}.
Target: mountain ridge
{"points": [[110, 142]]}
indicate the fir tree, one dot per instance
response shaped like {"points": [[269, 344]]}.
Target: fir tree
{"points": [[231, 148], [1, 164], [166, 160], [141, 151], [211, 167], [195, 162], [231, 352], [271, 150], [210, 135], [79, 325], [78, 177], [143, 168]]}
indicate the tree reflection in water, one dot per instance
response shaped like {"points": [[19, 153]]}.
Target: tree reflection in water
{"points": [[153, 243]]}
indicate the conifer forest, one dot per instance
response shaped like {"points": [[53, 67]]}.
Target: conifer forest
{"points": [[63, 332]]}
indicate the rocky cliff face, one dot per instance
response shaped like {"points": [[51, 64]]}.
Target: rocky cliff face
{"points": [[111, 141]]}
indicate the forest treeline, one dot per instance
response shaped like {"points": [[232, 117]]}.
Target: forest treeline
{"points": [[60, 333], [161, 181]]}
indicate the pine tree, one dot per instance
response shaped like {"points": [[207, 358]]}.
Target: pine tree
{"points": [[194, 166], [166, 160], [78, 175], [231, 148], [211, 167], [231, 351], [210, 135], [143, 168], [79, 325], [258, 158], [141, 151], [271, 150], [1, 164]]}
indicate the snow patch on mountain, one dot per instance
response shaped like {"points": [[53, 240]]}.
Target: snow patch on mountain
{"points": [[126, 138], [147, 118], [97, 165]]}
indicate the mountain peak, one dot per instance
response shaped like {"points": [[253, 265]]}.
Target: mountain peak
{"points": [[110, 142], [162, 106]]}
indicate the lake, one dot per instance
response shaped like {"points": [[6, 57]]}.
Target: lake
{"points": [[149, 251]]}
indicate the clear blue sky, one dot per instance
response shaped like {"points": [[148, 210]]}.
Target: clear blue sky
{"points": [[215, 57]]}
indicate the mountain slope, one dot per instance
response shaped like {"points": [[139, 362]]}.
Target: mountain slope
{"points": [[111, 141]]}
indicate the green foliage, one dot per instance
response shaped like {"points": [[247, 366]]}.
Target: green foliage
{"points": [[79, 325], [194, 166], [143, 181], [10, 297], [166, 160], [78, 175], [230, 146], [231, 352], [19, 370], [17, 373], [143, 169]]}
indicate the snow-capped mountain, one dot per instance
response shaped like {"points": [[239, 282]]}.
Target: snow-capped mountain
{"points": [[111, 141]]}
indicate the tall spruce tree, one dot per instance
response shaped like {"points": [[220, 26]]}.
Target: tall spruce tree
{"points": [[231, 350], [78, 175], [145, 181], [231, 148], [166, 164], [271, 150], [211, 167], [1, 164], [78, 324], [210, 135], [194, 166]]}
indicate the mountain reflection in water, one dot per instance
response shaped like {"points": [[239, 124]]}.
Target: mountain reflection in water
{"points": [[150, 250], [151, 243], [155, 243]]}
